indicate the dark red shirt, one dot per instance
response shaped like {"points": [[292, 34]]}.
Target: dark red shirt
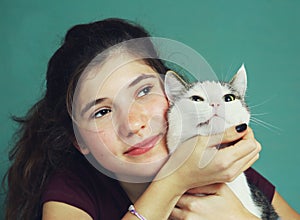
{"points": [[102, 197]]}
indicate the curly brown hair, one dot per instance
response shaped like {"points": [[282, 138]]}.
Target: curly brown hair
{"points": [[45, 136]]}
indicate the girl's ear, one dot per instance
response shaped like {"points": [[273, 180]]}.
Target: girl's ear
{"points": [[81, 148], [174, 85]]}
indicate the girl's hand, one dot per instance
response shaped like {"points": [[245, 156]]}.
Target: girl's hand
{"points": [[182, 172], [225, 164], [220, 203]]}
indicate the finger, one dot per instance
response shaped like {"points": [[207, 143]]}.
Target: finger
{"points": [[253, 160], [186, 202], [240, 149], [193, 203], [226, 157], [249, 133], [245, 147], [208, 189], [231, 171], [228, 136], [176, 214], [235, 159], [181, 214], [224, 189], [247, 161]]}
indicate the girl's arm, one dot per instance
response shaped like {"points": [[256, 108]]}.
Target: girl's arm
{"points": [[284, 210], [61, 211], [160, 198]]}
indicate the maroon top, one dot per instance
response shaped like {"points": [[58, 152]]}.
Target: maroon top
{"points": [[102, 197]]}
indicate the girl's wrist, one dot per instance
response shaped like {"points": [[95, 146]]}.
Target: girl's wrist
{"points": [[158, 201], [172, 181]]}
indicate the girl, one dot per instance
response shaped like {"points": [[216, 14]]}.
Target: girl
{"points": [[95, 143]]}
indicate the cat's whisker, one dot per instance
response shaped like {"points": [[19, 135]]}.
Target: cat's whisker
{"points": [[260, 104], [227, 74], [259, 114], [232, 68], [266, 125], [262, 124]]}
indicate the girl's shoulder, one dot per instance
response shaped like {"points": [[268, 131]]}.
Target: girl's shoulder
{"points": [[86, 188], [264, 185]]}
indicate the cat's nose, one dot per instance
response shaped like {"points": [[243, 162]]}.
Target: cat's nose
{"points": [[214, 104]]}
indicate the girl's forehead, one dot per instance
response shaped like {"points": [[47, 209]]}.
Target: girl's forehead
{"points": [[113, 67], [110, 75], [108, 79]]}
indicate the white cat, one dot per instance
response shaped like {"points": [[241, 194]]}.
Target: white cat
{"points": [[204, 108]]}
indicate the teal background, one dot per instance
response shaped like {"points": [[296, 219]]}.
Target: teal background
{"points": [[263, 34]]}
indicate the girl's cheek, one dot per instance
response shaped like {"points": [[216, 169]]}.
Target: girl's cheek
{"points": [[160, 105], [158, 110], [107, 140], [99, 141]]}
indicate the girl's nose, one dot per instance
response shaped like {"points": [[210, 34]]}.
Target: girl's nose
{"points": [[136, 121]]}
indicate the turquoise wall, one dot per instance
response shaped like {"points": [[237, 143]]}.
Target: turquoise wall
{"points": [[263, 34]]}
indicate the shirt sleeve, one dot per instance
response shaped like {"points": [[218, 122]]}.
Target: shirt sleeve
{"points": [[255, 178], [63, 187]]}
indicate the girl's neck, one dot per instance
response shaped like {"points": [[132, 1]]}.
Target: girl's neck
{"points": [[134, 190]]}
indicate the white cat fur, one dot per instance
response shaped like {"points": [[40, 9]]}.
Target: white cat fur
{"points": [[185, 117]]}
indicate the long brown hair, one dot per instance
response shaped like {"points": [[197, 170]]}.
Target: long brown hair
{"points": [[45, 137]]}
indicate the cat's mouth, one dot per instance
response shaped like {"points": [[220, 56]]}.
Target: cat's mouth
{"points": [[203, 123], [208, 121]]}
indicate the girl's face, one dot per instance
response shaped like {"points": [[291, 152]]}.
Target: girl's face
{"points": [[120, 114]]}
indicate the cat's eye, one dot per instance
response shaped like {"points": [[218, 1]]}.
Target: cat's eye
{"points": [[196, 98], [229, 97], [102, 112]]}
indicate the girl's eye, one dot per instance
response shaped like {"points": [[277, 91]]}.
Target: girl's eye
{"points": [[144, 91], [229, 97], [102, 112], [196, 98]]}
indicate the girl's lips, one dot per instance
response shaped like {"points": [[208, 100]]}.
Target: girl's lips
{"points": [[143, 146]]}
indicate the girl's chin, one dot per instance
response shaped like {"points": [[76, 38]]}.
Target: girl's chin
{"points": [[137, 177], [158, 159], [129, 169], [139, 172]]}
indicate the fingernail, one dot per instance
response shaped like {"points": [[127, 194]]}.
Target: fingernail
{"points": [[240, 128]]}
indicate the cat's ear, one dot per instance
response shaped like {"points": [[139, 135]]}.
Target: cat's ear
{"points": [[239, 81], [174, 85]]}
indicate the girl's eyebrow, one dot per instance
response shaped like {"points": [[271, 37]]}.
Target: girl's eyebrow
{"points": [[90, 104], [139, 78]]}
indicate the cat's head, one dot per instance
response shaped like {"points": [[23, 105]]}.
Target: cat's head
{"points": [[209, 106]]}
